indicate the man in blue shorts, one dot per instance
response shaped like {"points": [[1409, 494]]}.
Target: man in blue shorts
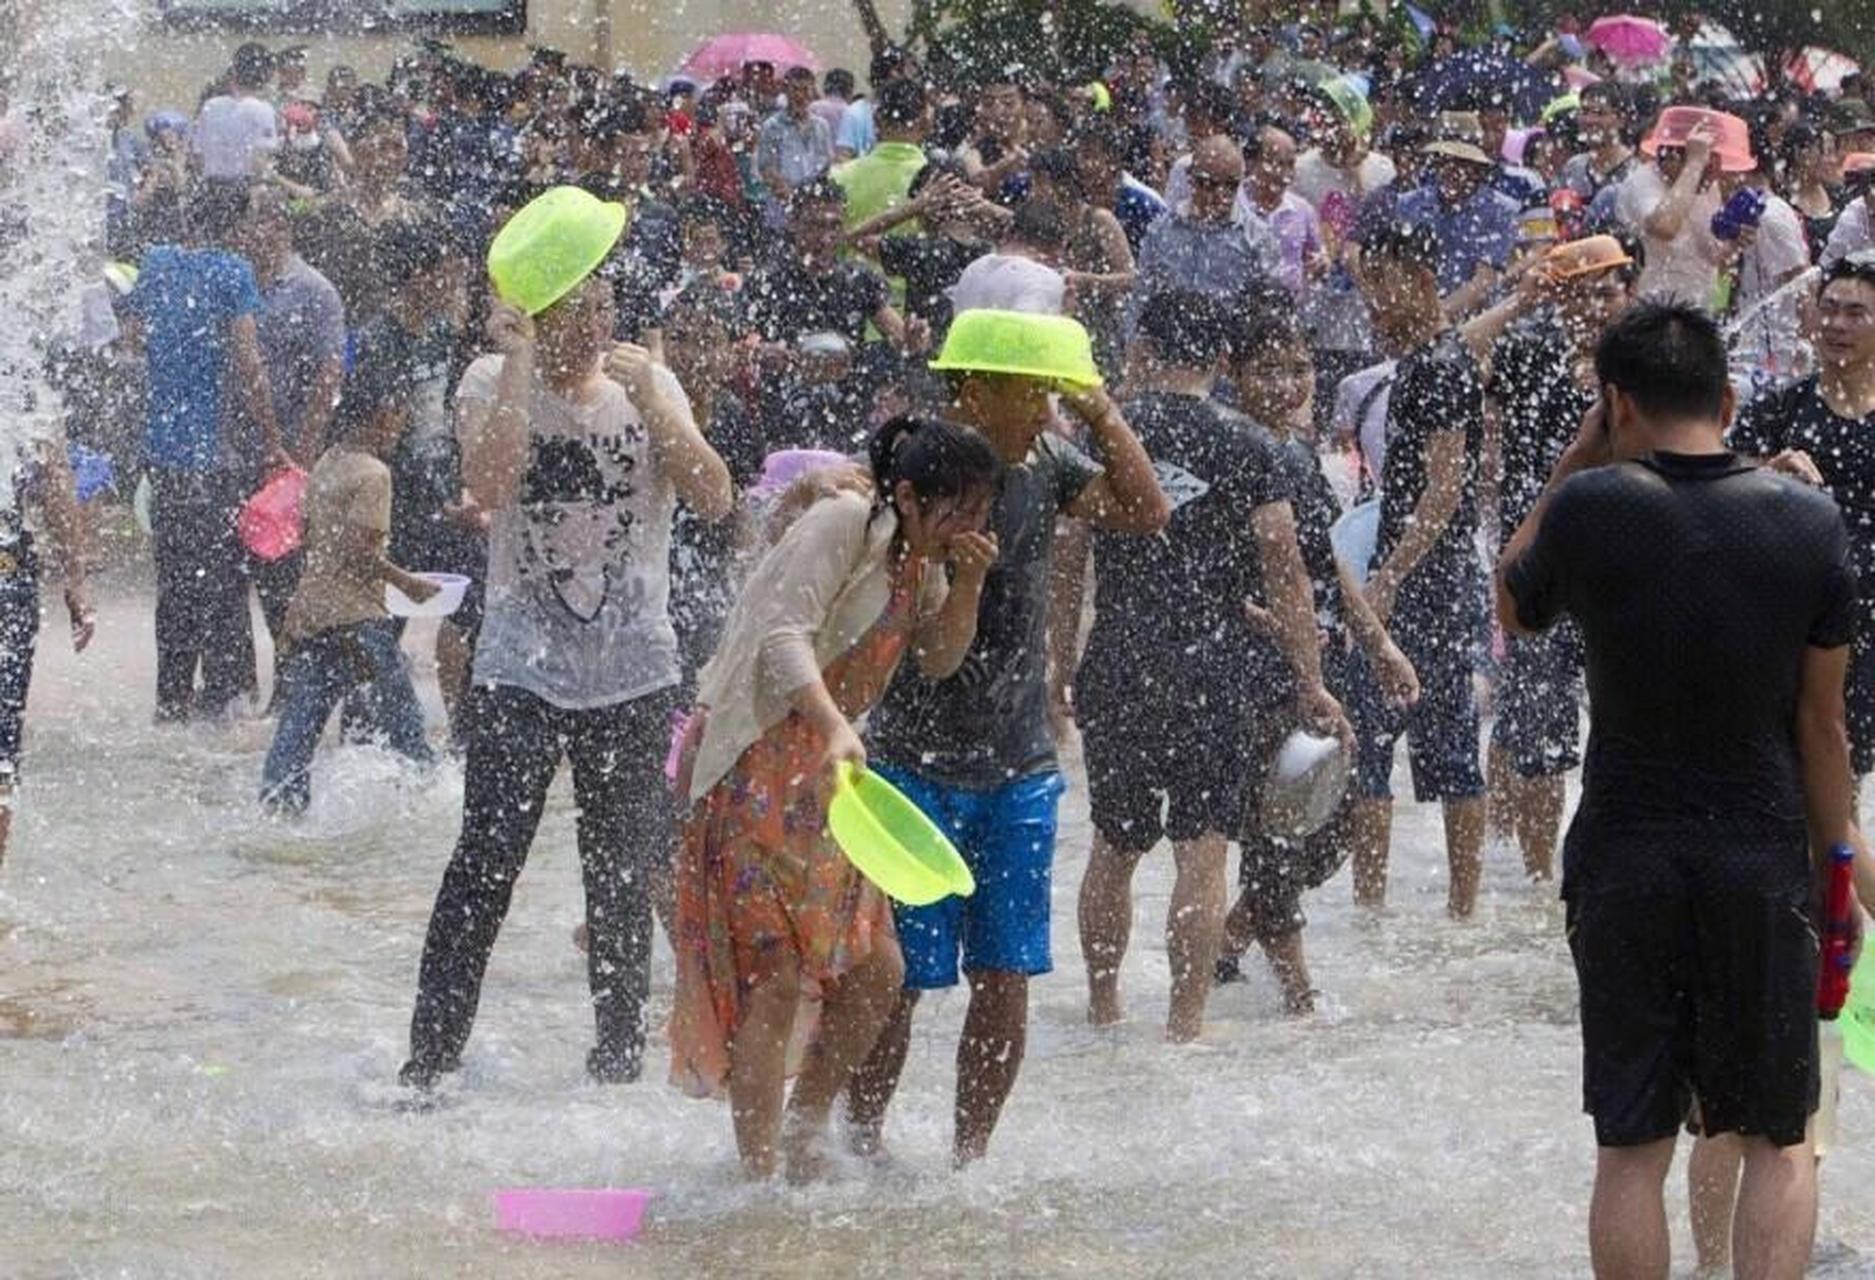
{"points": [[976, 751]]}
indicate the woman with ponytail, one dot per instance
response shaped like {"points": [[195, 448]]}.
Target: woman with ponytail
{"points": [[774, 925]]}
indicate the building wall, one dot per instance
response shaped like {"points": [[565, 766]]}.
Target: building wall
{"points": [[648, 37]]}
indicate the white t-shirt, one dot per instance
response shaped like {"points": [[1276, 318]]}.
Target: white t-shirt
{"points": [[1771, 335], [1684, 268], [230, 133], [1316, 178], [579, 567]]}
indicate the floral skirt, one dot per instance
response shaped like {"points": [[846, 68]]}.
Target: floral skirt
{"points": [[761, 885]]}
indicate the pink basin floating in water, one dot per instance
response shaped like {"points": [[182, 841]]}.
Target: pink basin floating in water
{"points": [[571, 1213]]}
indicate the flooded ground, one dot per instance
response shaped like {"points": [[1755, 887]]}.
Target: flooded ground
{"points": [[201, 1013]]}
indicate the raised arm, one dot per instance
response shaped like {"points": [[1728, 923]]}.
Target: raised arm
{"points": [[494, 432], [696, 471], [1125, 497]]}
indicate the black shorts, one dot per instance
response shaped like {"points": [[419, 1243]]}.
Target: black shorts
{"points": [[1155, 773], [1697, 964], [1539, 713]]}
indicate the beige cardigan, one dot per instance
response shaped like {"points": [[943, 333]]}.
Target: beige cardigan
{"points": [[814, 594]]}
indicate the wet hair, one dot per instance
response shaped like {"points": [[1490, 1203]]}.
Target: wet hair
{"points": [[1855, 266], [838, 83], [1262, 315], [1184, 328], [252, 65], [376, 109], [1102, 137], [1039, 223], [216, 208], [799, 75], [1405, 244], [708, 301], [1059, 166], [1209, 99], [899, 104], [408, 247], [886, 64], [376, 383], [703, 211], [1669, 358], [937, 458], [818, 191]]}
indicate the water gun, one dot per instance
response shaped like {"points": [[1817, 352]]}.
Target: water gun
{"points": [[1839, 907], [1744, 210]]}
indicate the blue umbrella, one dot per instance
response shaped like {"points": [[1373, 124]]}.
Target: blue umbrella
{"points": [[1481, 77]]}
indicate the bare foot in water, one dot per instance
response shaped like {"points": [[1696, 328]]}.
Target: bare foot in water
{"points": [[1104, 1010], [582, 939]]}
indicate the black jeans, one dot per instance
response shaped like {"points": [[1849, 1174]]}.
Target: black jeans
{"points": [[201, 592], [625, 837]]}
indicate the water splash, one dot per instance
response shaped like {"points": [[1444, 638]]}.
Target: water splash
{"points": [[52, 188]]}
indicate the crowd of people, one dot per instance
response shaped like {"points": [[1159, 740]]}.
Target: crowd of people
{"points": [[740, 405]]}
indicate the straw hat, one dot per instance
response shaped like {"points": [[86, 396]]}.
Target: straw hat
{"points": [[1588, 256], [1459, 135], [557, 239]]}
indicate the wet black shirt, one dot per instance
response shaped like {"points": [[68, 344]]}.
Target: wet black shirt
{"points": [[1316, 509], [930, 265], [1539, 410], [1436, 389], [787, 299], [1169, 626], [1698, 582], [1795, 417]]}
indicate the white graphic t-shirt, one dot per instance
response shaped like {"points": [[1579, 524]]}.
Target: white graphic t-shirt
{"points": [[579, 567]]}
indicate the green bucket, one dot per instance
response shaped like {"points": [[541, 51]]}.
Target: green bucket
{"points": [[1021, 344], [557, 239], [892, 842], [1857, 1019]]}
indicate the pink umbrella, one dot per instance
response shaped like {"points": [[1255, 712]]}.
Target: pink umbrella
{"points": [[1626, 38], [727, 54]]}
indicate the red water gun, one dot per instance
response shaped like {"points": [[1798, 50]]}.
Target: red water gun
{"points": [[1839, 907]]}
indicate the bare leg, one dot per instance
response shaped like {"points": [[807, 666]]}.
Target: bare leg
{"points": [[1106, 912], [1628, 1214], [758, 1069], [1538, 813], [852, 1012], [874, 1081], [1371, 833], [1776, 1222], [453, 659], [1292, 970], [6, 822], [1194, 925], [1501, 782], [996, 1030], [1239, 927], [1711, 1191], [1464, 850]]}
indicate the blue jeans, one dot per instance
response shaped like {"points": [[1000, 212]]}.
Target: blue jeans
{"points": [[317, 674], [1007, 837]]}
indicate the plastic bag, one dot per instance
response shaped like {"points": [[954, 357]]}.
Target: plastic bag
{"points": [[269, 523]]}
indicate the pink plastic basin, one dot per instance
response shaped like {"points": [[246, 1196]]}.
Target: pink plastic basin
{"points": [[571, 1213]]}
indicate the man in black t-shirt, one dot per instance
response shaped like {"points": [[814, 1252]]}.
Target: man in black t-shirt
{"points": [[1822, 430], [1540, 388], [1176, 683], [1716, 601], [1427, 579]]}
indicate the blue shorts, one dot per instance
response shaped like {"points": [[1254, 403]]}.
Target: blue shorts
{"points": [[1007, 836]]}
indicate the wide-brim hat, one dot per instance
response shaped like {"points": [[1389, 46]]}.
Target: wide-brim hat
{"points": [[1020, 344], [1588, 256], [1459, 135], [551, 245]]}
